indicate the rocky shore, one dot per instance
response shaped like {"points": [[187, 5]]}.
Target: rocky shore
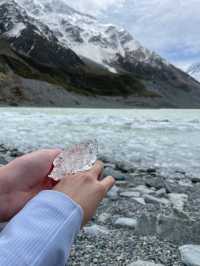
{"points": [[146, 220]]}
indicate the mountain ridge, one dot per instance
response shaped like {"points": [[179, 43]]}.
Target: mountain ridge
{"points": [[125, 69], [194, 71]]}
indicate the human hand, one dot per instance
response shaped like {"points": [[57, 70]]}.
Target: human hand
{"points": [[86, 189], [22, 179]]}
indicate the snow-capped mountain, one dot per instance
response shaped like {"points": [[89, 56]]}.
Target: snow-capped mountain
{"points": [[33, 38], [48, 41], [103, 44], [194, 71]]}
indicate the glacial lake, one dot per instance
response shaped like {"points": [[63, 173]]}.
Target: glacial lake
{"points": [[166, 139]]}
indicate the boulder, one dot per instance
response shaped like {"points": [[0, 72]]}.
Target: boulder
{"points": [[190, 255]]}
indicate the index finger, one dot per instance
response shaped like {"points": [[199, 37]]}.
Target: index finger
{"points": [[97, 169]]}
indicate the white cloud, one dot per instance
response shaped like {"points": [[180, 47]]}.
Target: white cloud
{"points": [[170, 27]]}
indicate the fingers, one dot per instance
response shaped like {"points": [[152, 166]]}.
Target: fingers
{"points": [[108, 183], [53, 153], [97, 169]]}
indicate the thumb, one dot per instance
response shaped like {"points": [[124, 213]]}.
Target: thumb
{"points": [[108, 183]]}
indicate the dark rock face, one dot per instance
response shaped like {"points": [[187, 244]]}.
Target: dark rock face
{"points": [[39, 44], [43, 51]]}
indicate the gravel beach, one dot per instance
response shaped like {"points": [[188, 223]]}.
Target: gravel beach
{"points": [[145, 219]]}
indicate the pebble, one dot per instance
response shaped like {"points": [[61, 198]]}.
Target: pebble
{"points": [[126, 222], [178, 200], [3, 161], [102, 218], [96, 230], [140, 200], [143, 189], [130, 194], [113, 193], [154, 200], [125, 167], [109, 171], [190, 255], [195, 179], [161, 192]]}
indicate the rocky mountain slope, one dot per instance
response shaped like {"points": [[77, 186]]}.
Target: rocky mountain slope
{"points": [[47, 42], [194, 71]]}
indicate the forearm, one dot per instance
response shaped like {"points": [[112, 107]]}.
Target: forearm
{"points": [[42, 233]]}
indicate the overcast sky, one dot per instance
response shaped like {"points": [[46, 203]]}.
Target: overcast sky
{"points": [[169, 27]]}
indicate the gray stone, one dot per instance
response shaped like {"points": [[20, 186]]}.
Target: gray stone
{"points": [[180, 231], [178, 200], [103, 217], [126, 222], [147, 225], [156, 182], [181, 214], [143, 190], [3, 161], [154, 200], [173, 187], [125, 167], [122, 183], [190, 255], [169, 228], [144, 263], [113, 193], [161, 192], [195, 179], [95, 230], [130, 194], [109, 171], [140, 200]]}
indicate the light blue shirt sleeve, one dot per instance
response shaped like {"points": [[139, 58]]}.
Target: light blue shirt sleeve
{"points": [[42, 233]]}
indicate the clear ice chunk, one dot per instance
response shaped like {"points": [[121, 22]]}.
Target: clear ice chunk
{"points": [[78, 158]]}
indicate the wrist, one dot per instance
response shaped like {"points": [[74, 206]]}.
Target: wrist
{"points": [[4, 180]]}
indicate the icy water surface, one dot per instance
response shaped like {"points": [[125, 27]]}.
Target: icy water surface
{"points": [[167, 139]]}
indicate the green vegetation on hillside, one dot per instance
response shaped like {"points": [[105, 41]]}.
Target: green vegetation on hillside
{"points": [[84, 80]]}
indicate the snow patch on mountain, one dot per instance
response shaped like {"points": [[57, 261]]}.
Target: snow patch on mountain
{"points": [[194, 71], [16, 30], [86, 36]]}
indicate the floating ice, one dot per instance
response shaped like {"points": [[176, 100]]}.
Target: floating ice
{"points": [[78, 158]]}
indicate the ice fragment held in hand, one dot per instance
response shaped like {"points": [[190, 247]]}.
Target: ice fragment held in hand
{"points": [[78, 158]]}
